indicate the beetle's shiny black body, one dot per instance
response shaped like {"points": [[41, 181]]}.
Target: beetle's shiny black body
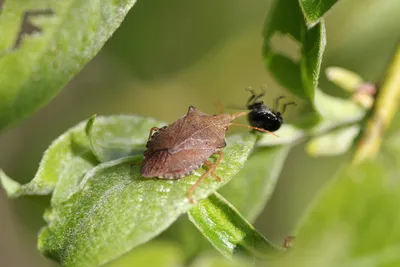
{"points": [[263, 117]]}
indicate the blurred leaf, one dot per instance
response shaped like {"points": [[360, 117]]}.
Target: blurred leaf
{"points": [[313, 10], [160, 254], [44, 44], [354, 222], [70, 157], [298, 76], [184, 233], [250, 190], [228, 231], [334, 143], [344, 78], [288, 134], [166, 49], [114, 209], [211, 260], [334, 109]]}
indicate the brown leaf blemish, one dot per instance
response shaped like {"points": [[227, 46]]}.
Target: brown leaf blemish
{"points": [[27, 27]]}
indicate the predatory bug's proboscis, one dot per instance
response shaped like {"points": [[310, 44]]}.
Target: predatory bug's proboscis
{"points": [[261, 116], [176, 150]]}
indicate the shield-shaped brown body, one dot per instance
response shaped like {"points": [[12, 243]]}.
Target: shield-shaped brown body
{"points": [[180, 148]]}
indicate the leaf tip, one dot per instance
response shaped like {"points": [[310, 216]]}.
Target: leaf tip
{"points": [[89, 125], [10, 186], [47, 245]]}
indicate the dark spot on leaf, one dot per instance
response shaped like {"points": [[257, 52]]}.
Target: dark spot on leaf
{"points": [[27, 27]]}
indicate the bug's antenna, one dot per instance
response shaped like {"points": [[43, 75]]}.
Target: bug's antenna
{"points": [[239, 114], [219, 107], [254, 128], [276, 103], [287, 104]]}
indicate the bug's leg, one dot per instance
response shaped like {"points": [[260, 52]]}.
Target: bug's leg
{"points": [[254, 128], [287, 104], [276, 103], [215, 165], [211, 168], [253, 95], [263, 90], [152, 130]]}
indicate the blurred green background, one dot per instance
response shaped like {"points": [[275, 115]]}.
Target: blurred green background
{"points": [[169, 55]]}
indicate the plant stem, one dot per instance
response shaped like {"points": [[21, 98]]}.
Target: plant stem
{"points": [[384, 110]]}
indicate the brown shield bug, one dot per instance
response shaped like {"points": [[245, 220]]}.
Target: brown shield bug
{"points": [[176, 150]]}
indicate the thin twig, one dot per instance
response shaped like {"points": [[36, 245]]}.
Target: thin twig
{"points": [[385, 108]]}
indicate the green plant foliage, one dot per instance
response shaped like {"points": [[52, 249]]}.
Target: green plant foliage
{"points": [[354, 222], [334, 143], [107, 208], [336, 130], [212, 260], [160, 254], [228, 231], [37, 64], [345, 79], [300, 76], [248, 192], [288, 134], [70, 156], [314, 10], [251, 188], [334, 109]]}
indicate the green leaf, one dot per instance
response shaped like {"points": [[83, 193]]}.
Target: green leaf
{"points": [[211, 260], [345, 79], [183, 232], [63, 37], [250, 190], [354, 222], [160, 254], [70, 156], [114, 209], [228, 231], [287, 134], [313, 10], [300, 76], [336, 110], [334, 143]]}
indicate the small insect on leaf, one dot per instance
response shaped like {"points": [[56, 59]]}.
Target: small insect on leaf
{"points": [[176, 150], [261, 116]]}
